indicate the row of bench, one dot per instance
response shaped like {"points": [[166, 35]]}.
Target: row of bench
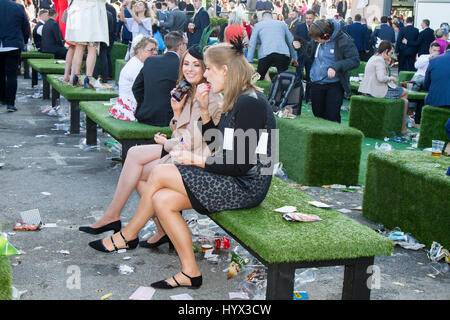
{"points": [[337, 240]]}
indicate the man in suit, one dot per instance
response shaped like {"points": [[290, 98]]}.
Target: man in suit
{"points": [[342, 8], [369, 36], [301, 35], [359, 34], [52, 39], [176, 21], [293, 21], [14, 33], [37, 31], [437, 80], [199, 23], [407, 53], [383, 32], [156, 80], [103, 61], [275, 47], [425, 38]]}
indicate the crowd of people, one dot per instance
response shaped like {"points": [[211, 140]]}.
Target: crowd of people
{"points": [[207, 94]]}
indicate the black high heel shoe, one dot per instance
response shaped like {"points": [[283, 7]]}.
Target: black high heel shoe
{"points": [[99, 246], [76, 80], [115, 226], [87, 84], [156, 244], [196, 282]]}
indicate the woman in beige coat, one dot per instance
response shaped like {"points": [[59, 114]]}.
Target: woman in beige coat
{"points": [[377, 82], [141, 160], [87, 26]]}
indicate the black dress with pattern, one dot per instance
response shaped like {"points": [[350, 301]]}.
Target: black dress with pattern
{"points": [[222, 185]]}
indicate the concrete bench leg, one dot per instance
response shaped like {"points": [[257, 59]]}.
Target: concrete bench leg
{"points": [[280, 282], [55, 97], [355, 280], [26, 69], [45, 87], [74, 117], [91, 132]]}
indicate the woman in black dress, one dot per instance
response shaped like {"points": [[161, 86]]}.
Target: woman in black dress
{"points": [[236, 175]]}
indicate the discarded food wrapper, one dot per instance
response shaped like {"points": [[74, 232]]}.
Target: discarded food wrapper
{"points": [[318, 204], [222, 243], [31, 217], [286, 209], [300, 217], [106, 296], [22, 226], [256, 275], [437, 252], [343, 210], [236, 265], [124, 269], [143, 293], [183, 296], [238, 295], [300, 295], [65, 252]]}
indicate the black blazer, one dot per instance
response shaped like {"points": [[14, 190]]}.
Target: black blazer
{"points": [[411, 34], [201, 21], [152, 89], [36, 36], [425, 38], [52, 38], [14, 25]]}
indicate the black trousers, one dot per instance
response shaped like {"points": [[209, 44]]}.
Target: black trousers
{"points": [[104, 62], [9, 63], [326, 100], [280, 61]]}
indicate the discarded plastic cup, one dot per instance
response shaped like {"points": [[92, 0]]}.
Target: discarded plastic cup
{"points": [[436, 149], [302, 277]]}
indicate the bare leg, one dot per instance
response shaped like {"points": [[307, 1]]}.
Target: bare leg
{"points": [[90, 61], [404, 96], [168, 204], [69, 58], [138, 158], [162, 176], [77, 60]]}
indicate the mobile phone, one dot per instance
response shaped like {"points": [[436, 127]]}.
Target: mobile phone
{"points": [[181, 90]]}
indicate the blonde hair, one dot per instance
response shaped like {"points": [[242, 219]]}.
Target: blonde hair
{"points": [[239, 74], [147, 12], [142, 42]]}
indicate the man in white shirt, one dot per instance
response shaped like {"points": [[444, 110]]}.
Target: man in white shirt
{"points": [[421, 65]]}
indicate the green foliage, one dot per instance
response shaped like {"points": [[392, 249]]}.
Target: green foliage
{"points": [[408, 189]]}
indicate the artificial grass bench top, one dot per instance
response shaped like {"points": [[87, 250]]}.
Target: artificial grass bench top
{"points": [[355, 72], [278, 241], [120, 129], [47, 66], [354, 86], [432, 125], [376, 117], [410, 190], [78, 93], [417, 95], [318, 152], [5, 279], [36, 55]]}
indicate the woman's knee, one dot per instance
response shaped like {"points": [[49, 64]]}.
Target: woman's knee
{"points": [[162, 203]]}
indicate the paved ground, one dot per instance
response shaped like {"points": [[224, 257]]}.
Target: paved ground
{"points": [[78, 186]]}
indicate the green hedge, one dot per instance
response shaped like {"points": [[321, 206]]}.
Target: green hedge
{"points": [[47, 66], [318, 152], [5, 279], [120, 129], [119, 64], [276, 240], [376, 117], [432, 125], [355, 72], [78, 93], [407, 189]]}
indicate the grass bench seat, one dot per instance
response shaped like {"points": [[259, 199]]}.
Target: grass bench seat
{"points": [[25, 55], [319, 152], [355, 72], [44, 67], [126, 132], [5, 279], [354, 86], [405, 76], [407, 189], [74, 95], [376, 117], [284, 246], [118, 66], [417, 95], [432, 126]]}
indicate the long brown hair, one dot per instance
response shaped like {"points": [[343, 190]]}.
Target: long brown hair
{"points": [[191, 91], [239, 74]]}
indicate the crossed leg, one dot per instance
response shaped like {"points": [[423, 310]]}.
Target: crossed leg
{"points": [[165, 193]]}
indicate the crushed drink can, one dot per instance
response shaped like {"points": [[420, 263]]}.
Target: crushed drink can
{"points": [[222, 243]]}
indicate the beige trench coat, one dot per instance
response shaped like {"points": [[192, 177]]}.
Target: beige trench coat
{"points": [[87, 22]]}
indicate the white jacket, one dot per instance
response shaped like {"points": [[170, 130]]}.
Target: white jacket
{"points": [[87, 22]]}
